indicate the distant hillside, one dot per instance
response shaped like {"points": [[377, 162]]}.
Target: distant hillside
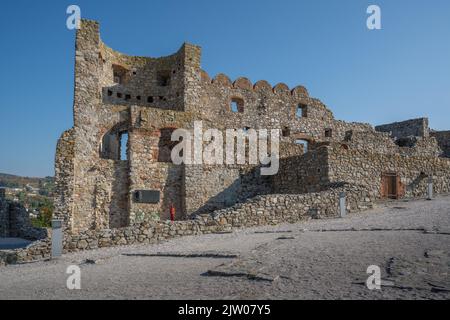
{"points": [[12, 181]]}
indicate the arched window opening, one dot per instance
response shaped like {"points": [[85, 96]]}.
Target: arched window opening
{"points": [[114, 145]]}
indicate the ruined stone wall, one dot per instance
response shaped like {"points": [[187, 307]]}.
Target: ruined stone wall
{"points": [[146, 173], [149, 165], [15, 222], [374, 141], [96, 192], [64, 178], [302, 173], [110, 196], [267, 107], [150, 82], [144, 97], [366, 168], [212, 187], [261, 210], [381, 142], [422, 147], [414, 127], [443, 140], [86, 125], [20, 224]]}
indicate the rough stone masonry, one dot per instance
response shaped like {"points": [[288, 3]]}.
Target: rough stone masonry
{"points": [[115, 182]]}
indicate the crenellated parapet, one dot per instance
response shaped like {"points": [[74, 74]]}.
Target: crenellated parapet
{"points": [[261, 86]]}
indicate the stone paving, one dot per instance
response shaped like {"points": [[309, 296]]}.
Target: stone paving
{"points": [[318, 259]]}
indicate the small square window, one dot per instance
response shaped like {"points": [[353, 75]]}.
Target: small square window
{"points": [[286, 132], [328, 133]]}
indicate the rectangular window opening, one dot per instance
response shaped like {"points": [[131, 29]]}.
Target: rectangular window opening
{"points": [[301, 111], [124, 146], [237, 105]]}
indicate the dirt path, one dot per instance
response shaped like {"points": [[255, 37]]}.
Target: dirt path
{"points": [[319, 259]]}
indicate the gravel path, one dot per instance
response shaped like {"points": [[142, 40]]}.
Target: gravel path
{"points": [[317, 259]]}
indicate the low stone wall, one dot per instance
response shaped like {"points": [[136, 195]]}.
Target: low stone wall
{"points": [[36, 251], [261, 210]]}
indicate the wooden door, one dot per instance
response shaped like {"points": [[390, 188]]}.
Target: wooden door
{"points": [[390, 185]]}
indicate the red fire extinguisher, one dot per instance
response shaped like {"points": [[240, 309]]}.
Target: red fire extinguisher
{"points": [[172, 213]]}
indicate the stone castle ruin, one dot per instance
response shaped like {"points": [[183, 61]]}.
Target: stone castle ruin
{"points": [[116, 183], [106, 182]]}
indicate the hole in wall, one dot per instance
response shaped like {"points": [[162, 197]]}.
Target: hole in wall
{"points": [[237, 105], [301, 111], [119, 74], [163, 78], [304, 143], [114, 143], [124, 145]]}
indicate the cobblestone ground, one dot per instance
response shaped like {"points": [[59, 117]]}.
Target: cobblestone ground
{"points": [[318, 259]]}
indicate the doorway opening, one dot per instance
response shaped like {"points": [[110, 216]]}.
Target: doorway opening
{"points": [[391, 185]]}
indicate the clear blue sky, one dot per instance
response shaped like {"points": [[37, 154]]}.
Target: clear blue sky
{"points": [[397, 73]]}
